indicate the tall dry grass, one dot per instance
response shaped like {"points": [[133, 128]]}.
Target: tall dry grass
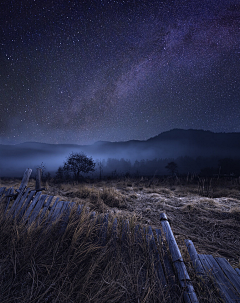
{"points": [[41, 264]]}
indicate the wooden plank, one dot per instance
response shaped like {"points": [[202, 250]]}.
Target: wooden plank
{"points": [[103, 231], [182, 272], [18, 200], [20, 204], [156, 259], [170, 275], [8, 198], [25, 179], [92, 215], [183, 277], [137, 235], [79, 210], [230, 273], [60, 211], [25, 205], [238, 271], [37, 209], [222, 283], [66, 210], [52, 210], [194, 257], [173, 247], [15, 203], [45, 209], [57, 210], [2, 190], [172, 244], [70, 205], [185, 282], [197, 265], [31, 206], [189, 294]]}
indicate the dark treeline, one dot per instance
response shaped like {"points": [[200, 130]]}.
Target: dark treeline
{"points": [[203, 166], [199, 165]]}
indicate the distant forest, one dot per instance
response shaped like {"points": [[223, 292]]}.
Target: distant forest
{"points": [[204, 166], [199, 165]]}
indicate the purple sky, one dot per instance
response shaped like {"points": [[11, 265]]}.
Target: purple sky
{"points": [[84, 71]]}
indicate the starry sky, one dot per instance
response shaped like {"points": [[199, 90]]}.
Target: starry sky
{"points": [[90, 70]]}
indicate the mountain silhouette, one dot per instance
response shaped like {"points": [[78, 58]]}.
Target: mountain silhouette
{"points": [[170, 144]]}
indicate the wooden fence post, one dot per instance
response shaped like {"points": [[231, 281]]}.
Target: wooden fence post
{"points": [[39, 180]]}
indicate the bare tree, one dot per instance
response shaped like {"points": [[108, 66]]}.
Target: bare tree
{"points": [[78, 163]]}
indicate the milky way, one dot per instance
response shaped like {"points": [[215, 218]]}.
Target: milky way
{"points": [[84, 71]]}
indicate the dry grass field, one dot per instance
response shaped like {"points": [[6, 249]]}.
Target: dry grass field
{"points": [[69, 269]]}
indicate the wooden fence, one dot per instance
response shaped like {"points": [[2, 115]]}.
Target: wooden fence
{"points": [[32, 207], [226, 278]]}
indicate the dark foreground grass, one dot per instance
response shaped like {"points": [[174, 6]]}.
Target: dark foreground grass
{"points": [[43, 264], [38, 264]]}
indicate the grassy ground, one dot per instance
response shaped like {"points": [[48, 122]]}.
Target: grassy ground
{"points": [[39, 265]]}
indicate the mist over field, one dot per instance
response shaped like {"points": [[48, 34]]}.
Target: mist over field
{"points": [[188, 146]]}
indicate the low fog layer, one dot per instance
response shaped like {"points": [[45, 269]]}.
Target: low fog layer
{"points": [[14, 159]]}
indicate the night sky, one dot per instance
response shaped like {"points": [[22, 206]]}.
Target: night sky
{"points": [[84, 71]]}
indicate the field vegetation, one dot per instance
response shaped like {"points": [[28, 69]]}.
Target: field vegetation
{"points": [[40, 265]]}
